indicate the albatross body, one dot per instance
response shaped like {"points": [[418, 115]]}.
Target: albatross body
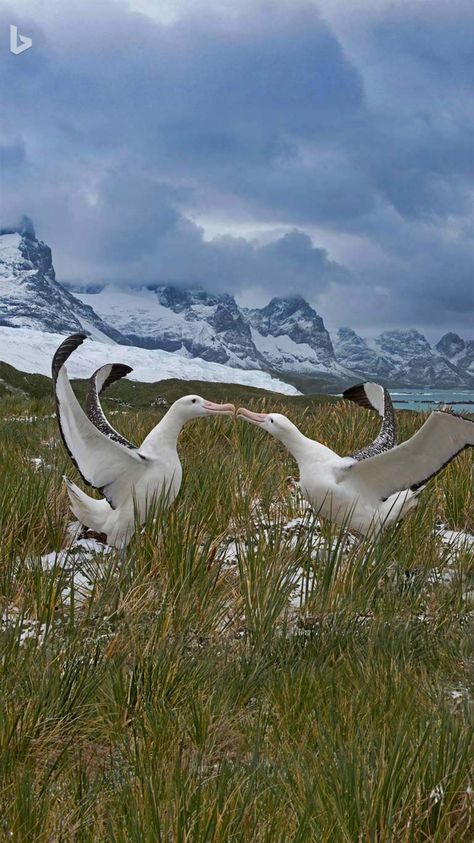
{"points": [[370, 493], [131, 479]]}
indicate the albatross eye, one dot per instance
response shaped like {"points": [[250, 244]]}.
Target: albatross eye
{"points": [[193, 401], [271, 421]]}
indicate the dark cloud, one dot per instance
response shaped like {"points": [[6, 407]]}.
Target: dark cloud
{"points": [[120, 131], [12, 154], [132, 232]]}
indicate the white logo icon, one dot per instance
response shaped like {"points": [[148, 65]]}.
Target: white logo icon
{"points": [[19, 43]]}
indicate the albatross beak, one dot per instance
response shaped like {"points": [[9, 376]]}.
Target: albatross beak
{"points": [[248, 415], [219, 409]]}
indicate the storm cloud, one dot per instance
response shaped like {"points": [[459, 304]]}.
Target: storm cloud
{"points": [[143, 148]]}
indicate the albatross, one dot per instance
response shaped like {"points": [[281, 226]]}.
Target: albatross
{"points": [[130, 478], [370, 492]]}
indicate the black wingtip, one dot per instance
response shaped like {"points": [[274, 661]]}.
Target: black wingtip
{"points": [[118, 371], [64, 351], [358, 395]]}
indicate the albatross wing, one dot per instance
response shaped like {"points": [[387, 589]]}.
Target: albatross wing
{"points": [[103, 463], [98, 383], [375, 397], [411, 464]]}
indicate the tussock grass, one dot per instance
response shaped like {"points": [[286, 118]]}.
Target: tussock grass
{"points": [[241, 673]]}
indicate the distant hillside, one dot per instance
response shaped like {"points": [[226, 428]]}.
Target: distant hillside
{"points": [[126, 393]]}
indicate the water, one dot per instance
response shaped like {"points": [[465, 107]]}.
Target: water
{"points": [[461, 400]]}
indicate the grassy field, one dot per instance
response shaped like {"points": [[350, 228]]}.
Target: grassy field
{"points": [[242, 673]]}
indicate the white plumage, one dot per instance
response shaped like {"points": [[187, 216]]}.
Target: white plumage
{"points": [[368, 494], [131, 479]]}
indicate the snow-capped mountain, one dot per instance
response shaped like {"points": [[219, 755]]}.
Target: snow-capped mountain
{"points": [[457, 350], [354, 352], [451, 346], [291, 337], [286, 337], [405, 358], [30, 296], [193, 323]]}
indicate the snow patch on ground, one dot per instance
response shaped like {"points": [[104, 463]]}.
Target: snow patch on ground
{"points": [[80, 564], [457, 541]]}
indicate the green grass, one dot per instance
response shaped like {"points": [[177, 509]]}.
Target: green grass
{"points": [[187, 698]]}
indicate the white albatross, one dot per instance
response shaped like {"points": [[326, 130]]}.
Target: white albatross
{"points": [[131, 479], [369, 494]]}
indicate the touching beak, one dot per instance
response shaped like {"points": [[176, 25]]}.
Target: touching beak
{"points": [[219, 409], [248, 415]]}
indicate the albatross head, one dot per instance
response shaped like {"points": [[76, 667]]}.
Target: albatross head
{"points": [[194, 407], [274, 423]]}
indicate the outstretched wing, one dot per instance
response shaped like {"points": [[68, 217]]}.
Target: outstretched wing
{"points": [[411, 464], [375, 397], [98, 383], [104, 464]]}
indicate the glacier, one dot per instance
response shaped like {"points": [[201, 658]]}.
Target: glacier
{"points": [[31, 351]]}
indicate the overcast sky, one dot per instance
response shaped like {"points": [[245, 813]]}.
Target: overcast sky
{"points": [[321, 147]]}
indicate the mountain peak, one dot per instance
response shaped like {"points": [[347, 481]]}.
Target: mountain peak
{"points": [[30, 295], [405, 342], [180, 298], [287, 335], [450, 345], [293, 317], [346, 333], [353, 352], [294, 298], [404, 356], [287, 305]]}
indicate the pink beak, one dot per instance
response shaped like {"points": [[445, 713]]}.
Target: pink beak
{"points": [[248, 415], [222, 409]]}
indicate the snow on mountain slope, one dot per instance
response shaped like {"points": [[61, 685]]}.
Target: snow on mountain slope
{"points": [[291, 337], [133, 311], [283, 354], [451, 345], [191, 322], [402, 345], [458, 351], [287, 335], [32, 351], [353, 352], [402, 357], [30, 296]]}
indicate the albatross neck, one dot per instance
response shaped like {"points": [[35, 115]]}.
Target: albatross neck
{"points": [[303, 448], [165, 433]]}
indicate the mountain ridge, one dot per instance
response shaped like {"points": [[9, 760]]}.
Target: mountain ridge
{"points": [[287, 336]]}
